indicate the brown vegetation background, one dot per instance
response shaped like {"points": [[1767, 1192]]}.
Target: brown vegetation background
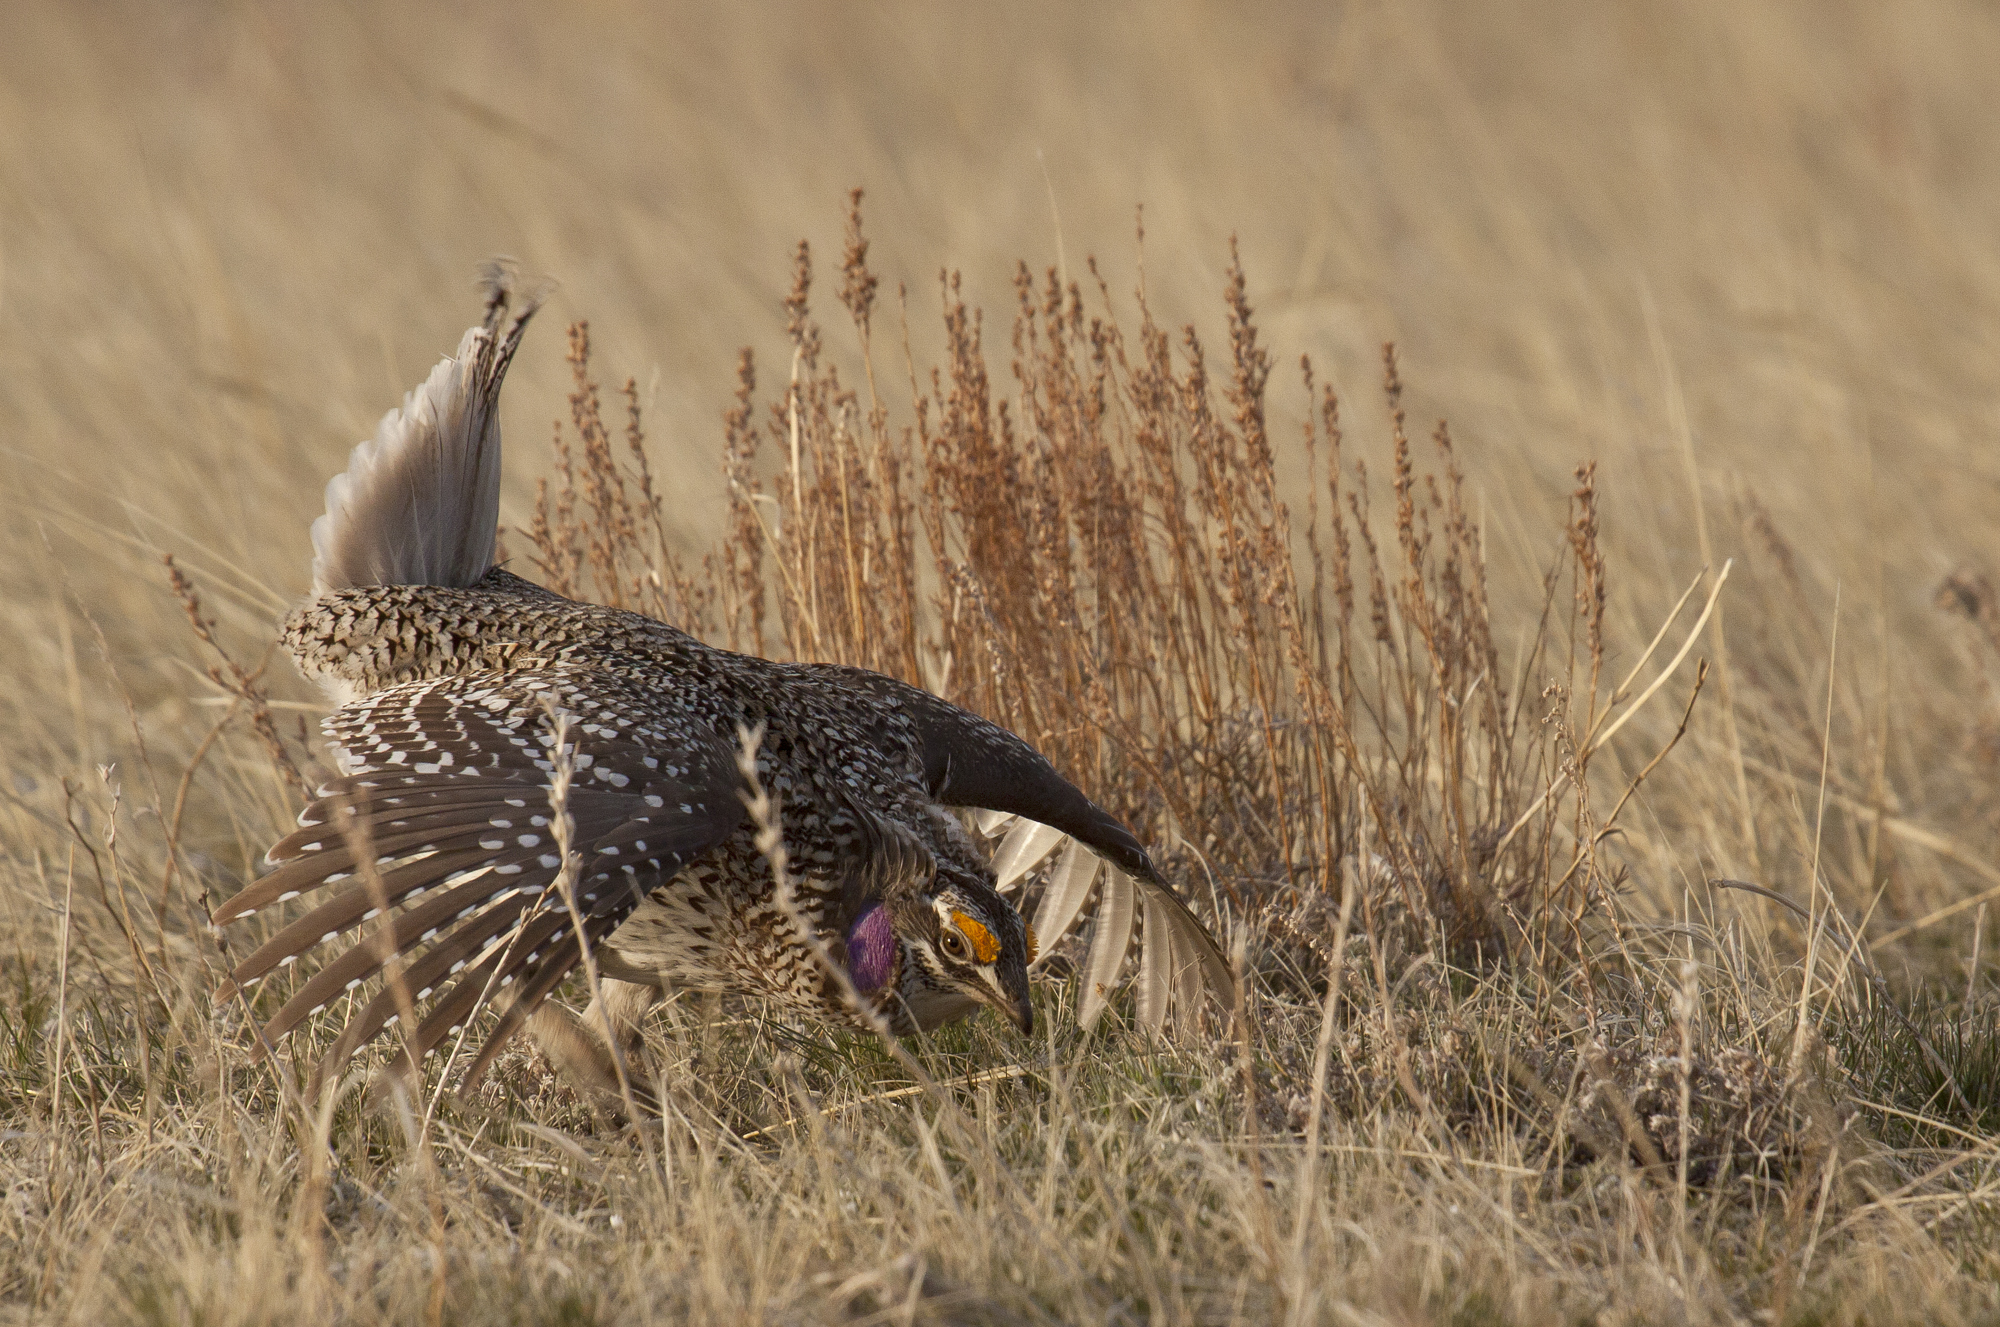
{"points": [[1745, 256]]}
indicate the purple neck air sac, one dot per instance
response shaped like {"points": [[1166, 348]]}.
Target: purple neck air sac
{"points": [[871, 950]]}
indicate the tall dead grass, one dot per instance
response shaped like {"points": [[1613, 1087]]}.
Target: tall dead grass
{"points": [[1471, 1081], [1742, 257], [1095, 552]]}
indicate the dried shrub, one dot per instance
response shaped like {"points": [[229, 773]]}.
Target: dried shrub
{"points": [[1102, 557]]}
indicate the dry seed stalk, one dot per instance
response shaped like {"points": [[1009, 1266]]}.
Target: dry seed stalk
{"points": [[1104, 561]]}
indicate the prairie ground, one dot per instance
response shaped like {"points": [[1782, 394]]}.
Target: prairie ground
{"points": [[1743, 258]]}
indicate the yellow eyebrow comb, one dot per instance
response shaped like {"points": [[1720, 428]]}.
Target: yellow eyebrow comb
{"points": [[984, 947]]}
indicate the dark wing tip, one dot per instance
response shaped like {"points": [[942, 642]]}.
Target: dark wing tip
{"points": [[969, 761]]}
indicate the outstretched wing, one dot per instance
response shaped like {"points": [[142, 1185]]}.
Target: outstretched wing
{"points": [[445, 820], [973, 763], [1178, 957]]}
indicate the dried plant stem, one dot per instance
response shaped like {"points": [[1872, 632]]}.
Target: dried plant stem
{"points": [[1308, 1182], [1674, 664], [563, 826], [56, 1078]]}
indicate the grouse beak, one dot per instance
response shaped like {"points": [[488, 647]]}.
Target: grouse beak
{"points": [[1023, 1015], [1010, 997]]}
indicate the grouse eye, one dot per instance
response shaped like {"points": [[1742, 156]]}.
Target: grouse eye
{"points": [[954, 944]]}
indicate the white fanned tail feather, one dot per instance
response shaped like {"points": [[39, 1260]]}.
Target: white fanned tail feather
{"points": [[419, 503], [1178, 963]]}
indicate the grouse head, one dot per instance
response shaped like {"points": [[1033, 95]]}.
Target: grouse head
{"points": [[930, 957]]}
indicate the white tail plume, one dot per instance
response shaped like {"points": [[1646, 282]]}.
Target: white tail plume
{"points": [[419, 503]]}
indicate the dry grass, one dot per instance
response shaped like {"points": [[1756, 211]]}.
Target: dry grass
{"points": [[1327, 659]]}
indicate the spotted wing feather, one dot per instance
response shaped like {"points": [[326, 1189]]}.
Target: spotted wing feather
{"points": [[363, 901], [448, 796]]}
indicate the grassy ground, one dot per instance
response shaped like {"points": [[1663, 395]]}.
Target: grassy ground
{"points": [[1741, 257]]}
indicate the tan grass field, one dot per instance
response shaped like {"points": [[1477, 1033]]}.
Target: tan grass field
{"points": [[1745, 258]]}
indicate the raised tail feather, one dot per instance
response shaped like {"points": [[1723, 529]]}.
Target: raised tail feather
{"points": [[419, 503]]}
